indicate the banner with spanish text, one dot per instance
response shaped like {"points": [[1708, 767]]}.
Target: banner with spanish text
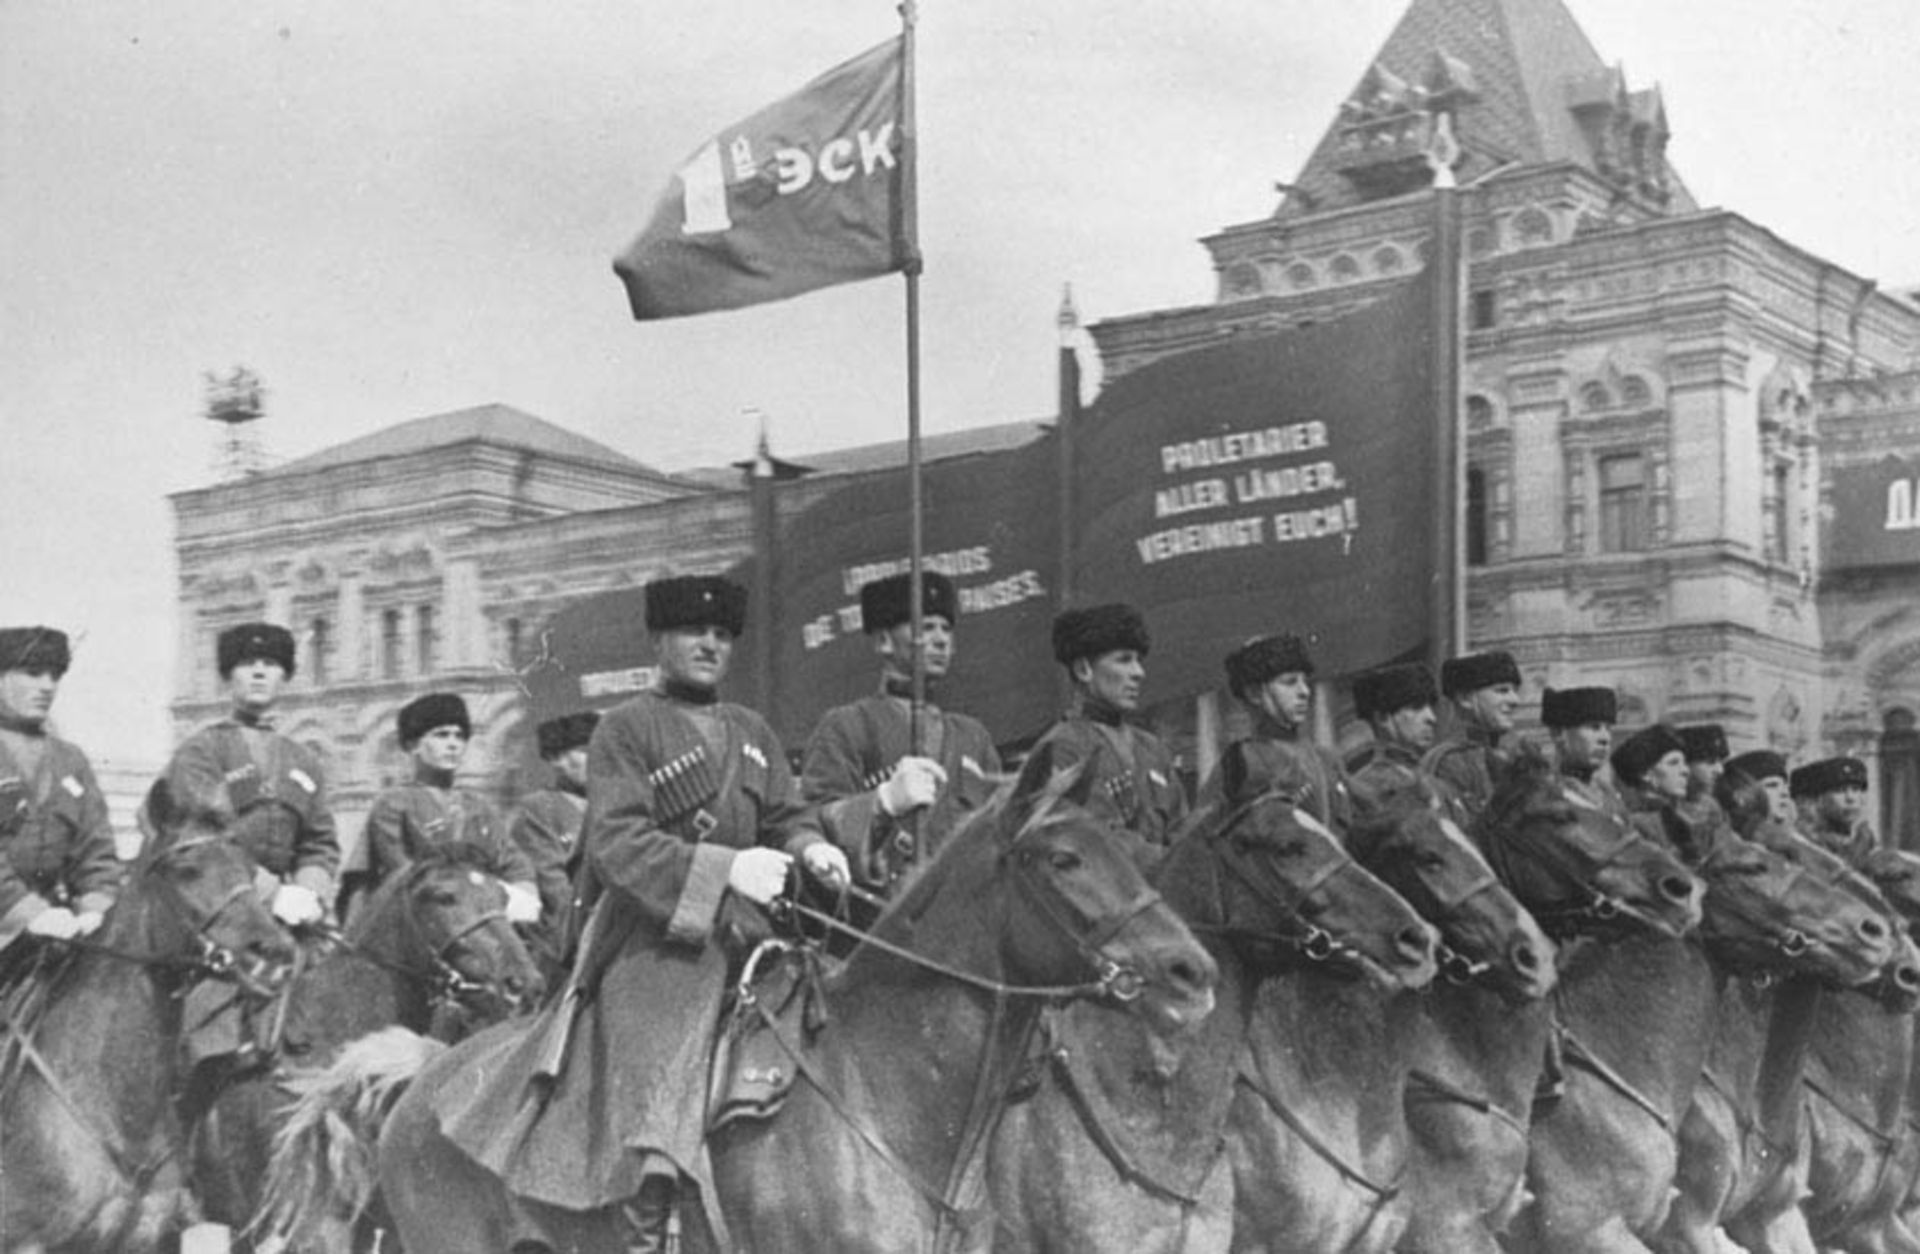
{"points": [[1279, 481], [804, 194]]}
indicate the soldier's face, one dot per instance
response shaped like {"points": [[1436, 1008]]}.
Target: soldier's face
{"points": [[1286, 698], [255, 684], [441, 748], [1585, 747], [1114, 677], [1779, 798], [1492, 707], [694, 655], [572, 766], [1413, 726], [28, 695], [1841, 807], [1703, 776], [1668, 776], [895, 645]]}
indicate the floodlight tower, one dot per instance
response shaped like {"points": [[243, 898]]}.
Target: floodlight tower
{"points": [[236, 402]]}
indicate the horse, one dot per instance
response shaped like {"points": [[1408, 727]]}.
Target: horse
{"points": [[91, 1151], [1636, 1022], [878, 1143], [430, 951], [1343, 1140], [1111, 1152]]}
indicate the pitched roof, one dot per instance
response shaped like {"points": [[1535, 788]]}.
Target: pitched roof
{"points": [[1527, 65], [490, 424], [866, 457]]}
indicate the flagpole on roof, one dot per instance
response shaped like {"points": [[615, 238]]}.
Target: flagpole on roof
{"points": [[1448, 631], [910, 256]]}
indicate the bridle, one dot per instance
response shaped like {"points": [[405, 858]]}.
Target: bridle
{"points": [[1455, 967], [1309, 939], [1595, 909], [444, 982]]}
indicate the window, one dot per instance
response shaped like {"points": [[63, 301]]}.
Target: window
{"points": [[1476, 538], [425, 641], [1779, 535], [318, 643], [390, 644], [1623, 503], [1899, 776], [1481, 315], [512, 642]]}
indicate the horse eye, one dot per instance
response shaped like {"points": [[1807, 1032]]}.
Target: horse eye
{"points": [[441, 897], [1063, 860]]}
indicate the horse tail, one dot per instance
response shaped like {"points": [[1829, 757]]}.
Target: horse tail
{"points": [[322, 1177]]}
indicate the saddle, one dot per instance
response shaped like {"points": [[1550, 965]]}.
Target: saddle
{"points": [[759, 1054]]}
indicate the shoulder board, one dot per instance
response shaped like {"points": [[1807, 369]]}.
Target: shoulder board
{"points": [[74, 787], [303, 779], [752, 752]]}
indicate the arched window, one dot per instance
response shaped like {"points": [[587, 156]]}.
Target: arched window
{"points": [[1479, 413], [1476, 538], [1900, 779], [390, 644], [319, 644], [426, 639], [1344, 269]]}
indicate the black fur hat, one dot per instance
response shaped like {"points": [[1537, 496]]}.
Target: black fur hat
{"points": [[1390, 689], [34, 649], [1099, 629], [696, 601], [1826, 775], [254, 641], [1576, 707], [1641, 750], [1705, 742], [569, 731], [1758, 764], [437, 709], [1460, 676], [1264, 657], [888, 602]]}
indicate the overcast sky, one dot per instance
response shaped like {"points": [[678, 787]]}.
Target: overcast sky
{"points": [[391, 210]]}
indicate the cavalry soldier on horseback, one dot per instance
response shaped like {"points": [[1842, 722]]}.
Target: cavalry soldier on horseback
{"points": [[1651, 766], [1483, 690], [58, 869], [693, 821], [1765, 772], [1104, 648], [861, 766], [1831, 795], [1706, 749], [1272, 677], [1398, 703], [433, 812], [546, 825], [1580, 721]]}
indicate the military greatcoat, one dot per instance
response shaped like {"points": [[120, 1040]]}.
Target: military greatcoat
{"points": [[854, 750], [546, 828], [609, 1084], [271, 790], [413, 819], [56, 844], [1467, 766], [1134, 776], [1277, 760]]}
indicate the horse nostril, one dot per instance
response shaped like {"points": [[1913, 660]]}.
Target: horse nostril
{"points": [[1525, 958], [1416, 940], [1873, 929], [1908, 978], [1677, 887]]}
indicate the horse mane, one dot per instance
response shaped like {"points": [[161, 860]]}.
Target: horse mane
{"points": [[1530, 771]]}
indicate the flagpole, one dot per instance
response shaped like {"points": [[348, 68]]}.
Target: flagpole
{"points": [[1067, 430], [1448, 628], [910, 248]]}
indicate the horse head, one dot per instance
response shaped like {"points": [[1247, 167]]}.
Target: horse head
{"points": [[1896, 873], [1086, 908], [1283, 867], [1879, 882], [1576, 866], [1766, 912], [443, 921], [1485, 932], [190, 902]]}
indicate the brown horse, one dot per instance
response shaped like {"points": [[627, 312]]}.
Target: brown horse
{"points": [[1113, 1153], [1338, 1166], [878, 1144], [430, 951], [1636, 1022], [91, 1151]]}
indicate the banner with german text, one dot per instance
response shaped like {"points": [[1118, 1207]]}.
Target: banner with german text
{"points": [[1279, 481], [804, 194]]}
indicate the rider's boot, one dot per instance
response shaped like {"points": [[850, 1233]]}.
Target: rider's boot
{"points": [[649, 1217]]}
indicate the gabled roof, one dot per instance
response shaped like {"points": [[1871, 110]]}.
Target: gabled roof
{"points": [[1528, 64], [865, 457], [490, 424]]}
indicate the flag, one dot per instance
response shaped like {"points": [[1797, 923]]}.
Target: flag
{"points": [[804, 194], [1275, 482]]}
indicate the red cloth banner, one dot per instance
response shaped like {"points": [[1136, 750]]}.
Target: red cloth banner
{"points": [[804, 194]]}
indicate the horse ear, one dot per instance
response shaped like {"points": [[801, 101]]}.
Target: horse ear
{"points": [[1045, 781], [159, 809]]}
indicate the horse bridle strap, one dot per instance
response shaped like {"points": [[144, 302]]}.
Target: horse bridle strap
{"points": [[1383, 1194]]}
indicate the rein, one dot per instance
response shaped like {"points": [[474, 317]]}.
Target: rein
{"points": [[1310, 940], [442, 979], [1596, 909]]}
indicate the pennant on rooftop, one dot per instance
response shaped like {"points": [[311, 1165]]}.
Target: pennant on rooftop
{"points": [[804, 194]]}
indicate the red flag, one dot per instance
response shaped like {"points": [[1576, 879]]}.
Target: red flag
{"points": [[803, 194]]}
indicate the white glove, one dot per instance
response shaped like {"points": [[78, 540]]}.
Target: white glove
{"points": [[87, 922], [296, 905], [915, 782], [826, 863], [523, 904], [758, 874], [55, 923]]}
